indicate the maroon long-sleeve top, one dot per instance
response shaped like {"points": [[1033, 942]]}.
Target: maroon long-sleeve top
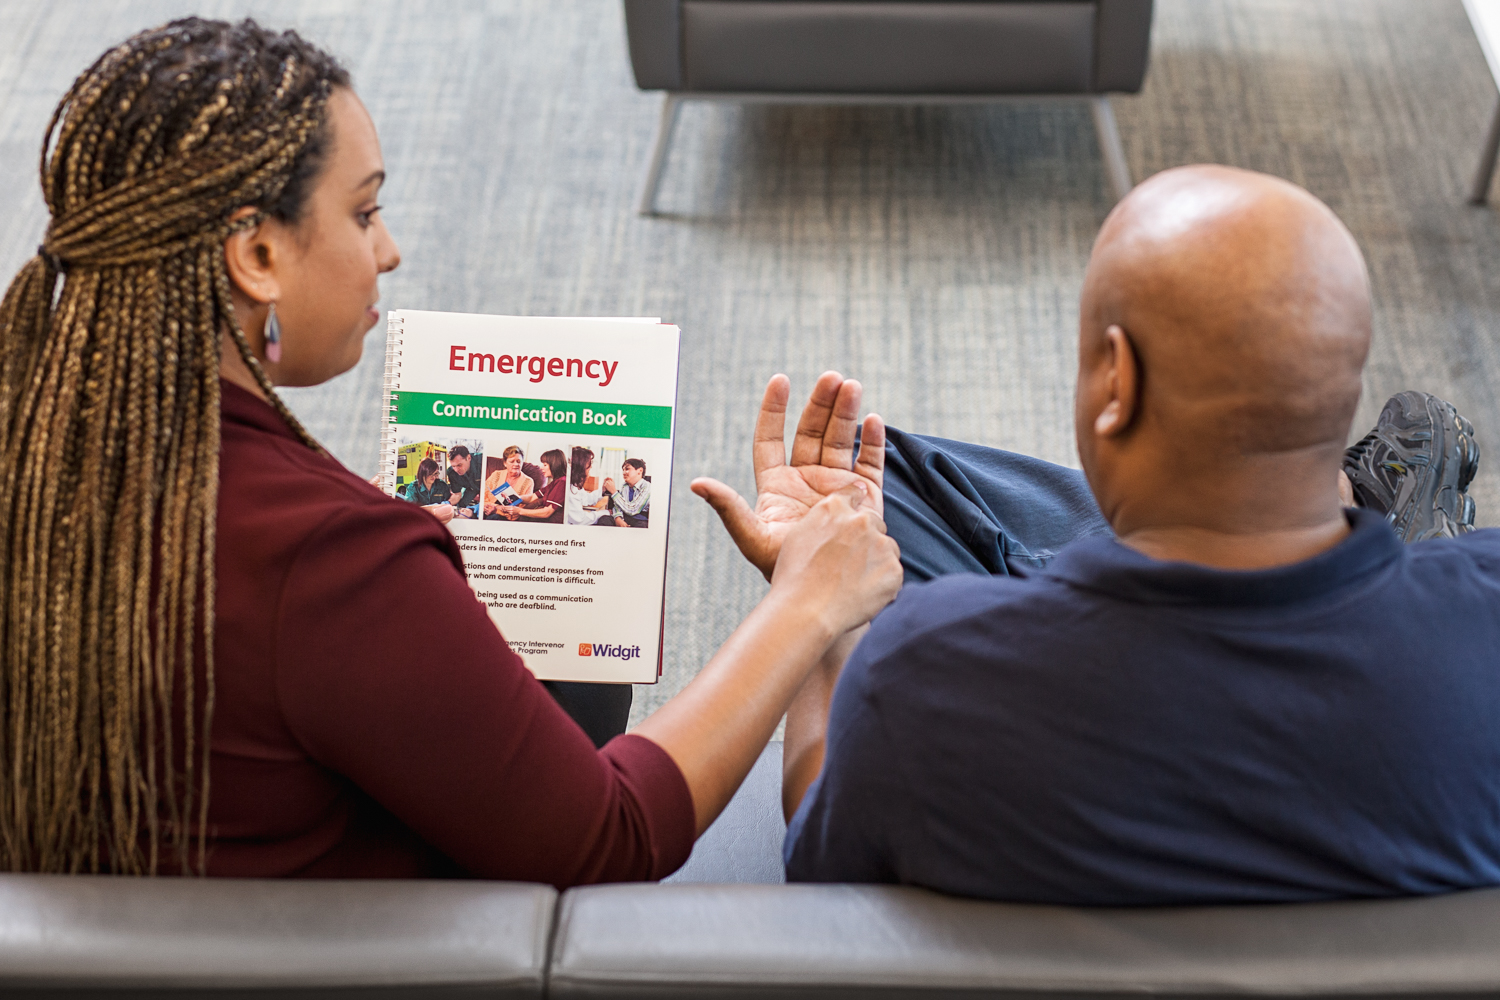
{"points": [[369, 719]]}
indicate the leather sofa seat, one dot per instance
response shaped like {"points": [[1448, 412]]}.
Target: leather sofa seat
{"points": [[79, 936], [842, 942]]}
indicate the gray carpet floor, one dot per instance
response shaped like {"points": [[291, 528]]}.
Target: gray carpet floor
{"points": [[935, 253]]}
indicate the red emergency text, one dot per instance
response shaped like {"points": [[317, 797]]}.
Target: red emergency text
{"points": [[530, 366]]}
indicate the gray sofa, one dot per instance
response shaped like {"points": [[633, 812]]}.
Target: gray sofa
{"points": [[884, 51], [85, 936]]}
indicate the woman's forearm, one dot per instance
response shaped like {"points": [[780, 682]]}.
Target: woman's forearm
{"points": [[807, 722], [535, 512], [715, 729]]}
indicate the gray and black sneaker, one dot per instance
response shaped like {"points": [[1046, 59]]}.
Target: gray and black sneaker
{"points": [[1415, 466]]}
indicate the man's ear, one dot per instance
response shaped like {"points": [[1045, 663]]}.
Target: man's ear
{"points": [[250, 258], [1124, 385]]}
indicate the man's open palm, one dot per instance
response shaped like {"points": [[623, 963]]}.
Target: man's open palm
{"points": [[822, 462]]}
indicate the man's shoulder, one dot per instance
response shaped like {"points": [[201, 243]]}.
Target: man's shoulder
{"points": [[276, 487], [1479, 548]]}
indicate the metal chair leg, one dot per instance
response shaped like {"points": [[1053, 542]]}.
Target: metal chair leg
{"points": [[1481, 192], [664, 125], [1109, 145]]}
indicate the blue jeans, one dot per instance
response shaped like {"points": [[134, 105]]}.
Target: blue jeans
{"points": [[964, 508]]}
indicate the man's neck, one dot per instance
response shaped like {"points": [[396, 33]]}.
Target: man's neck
{"points": [[1243, 512], [1251, 550]]}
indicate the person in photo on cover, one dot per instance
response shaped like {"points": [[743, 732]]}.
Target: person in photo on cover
{"points": [[629, 505], [215, 231], [509, 474], [547, 504], [585, 496], [463, 481], [428, 490]]}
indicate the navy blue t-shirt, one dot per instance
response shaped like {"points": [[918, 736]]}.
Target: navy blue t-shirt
{"points": [[1118, 730]]}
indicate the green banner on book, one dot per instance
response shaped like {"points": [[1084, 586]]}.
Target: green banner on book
{"points": [[506, 414]]}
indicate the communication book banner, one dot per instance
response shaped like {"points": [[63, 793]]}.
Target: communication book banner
{"points": [[550, 442]]}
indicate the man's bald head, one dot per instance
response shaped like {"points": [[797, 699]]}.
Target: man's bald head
{"points": [[1246, 305], [1246, 300]]}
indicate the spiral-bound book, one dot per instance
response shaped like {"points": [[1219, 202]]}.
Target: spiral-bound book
{"points": [[545, 444]]}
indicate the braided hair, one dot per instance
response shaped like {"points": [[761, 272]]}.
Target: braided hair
{"points": [[109, 433]]}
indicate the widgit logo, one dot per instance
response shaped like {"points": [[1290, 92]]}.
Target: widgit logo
{"points": [[601, 649]]}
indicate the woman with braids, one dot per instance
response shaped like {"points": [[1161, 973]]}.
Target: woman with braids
{"points": [[207, 661]]}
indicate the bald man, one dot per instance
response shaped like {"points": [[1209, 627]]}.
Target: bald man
{"points": [[1192, 673]]}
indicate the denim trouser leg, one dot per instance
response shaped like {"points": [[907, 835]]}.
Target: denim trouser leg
{"points": [[964, 508]]}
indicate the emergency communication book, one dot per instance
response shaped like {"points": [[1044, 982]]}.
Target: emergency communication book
{"points": [[550, 443]]}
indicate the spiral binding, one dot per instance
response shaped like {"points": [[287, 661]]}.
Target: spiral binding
{"points": [[394, 334]]}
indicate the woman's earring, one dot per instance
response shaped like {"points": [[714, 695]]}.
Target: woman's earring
{"points": [[273, 336]]}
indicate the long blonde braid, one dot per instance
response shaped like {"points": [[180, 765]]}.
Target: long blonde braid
{"points": [[109, 434]]}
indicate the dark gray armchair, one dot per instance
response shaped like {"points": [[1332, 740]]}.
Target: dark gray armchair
{"points": [[889, 51]]}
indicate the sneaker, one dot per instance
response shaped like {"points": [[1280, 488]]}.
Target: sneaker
{"points": [[1415, 466]]}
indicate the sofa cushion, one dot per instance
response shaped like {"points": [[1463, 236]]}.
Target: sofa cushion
{"points": [[847, 46], [832, 942], [112, 936]]}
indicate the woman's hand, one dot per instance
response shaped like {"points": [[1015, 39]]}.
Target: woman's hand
{"points": [[838, 562], [823, 461], [442, 511]]}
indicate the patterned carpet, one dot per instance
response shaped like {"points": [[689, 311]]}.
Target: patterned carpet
{"points": [[935, 253]]}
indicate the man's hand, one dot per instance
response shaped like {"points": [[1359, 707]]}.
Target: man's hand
{"points": [[822, 463]]}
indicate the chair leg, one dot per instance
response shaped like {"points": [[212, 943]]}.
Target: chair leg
{"points": [[1109, 145], [1481, 192], [664, 125]]}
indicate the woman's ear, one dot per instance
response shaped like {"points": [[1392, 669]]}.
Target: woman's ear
{"points": [[1123, 383], [250, 257]]}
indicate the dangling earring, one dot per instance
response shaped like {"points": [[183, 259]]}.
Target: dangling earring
{"points": [[273, 336]]}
